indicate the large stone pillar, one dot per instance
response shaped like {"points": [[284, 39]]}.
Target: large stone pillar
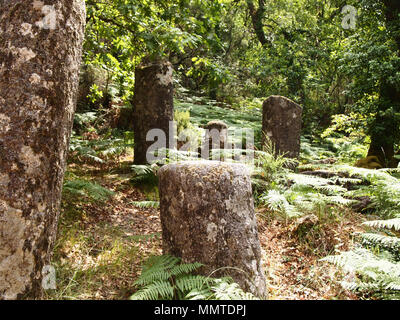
{"points": [[207, 215], [282, 122], [153, 104]]}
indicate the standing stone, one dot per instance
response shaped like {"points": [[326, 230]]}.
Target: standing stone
{"points": [[40, 54], [207, 216], [216, 137], [153, 104], [282, 122]]}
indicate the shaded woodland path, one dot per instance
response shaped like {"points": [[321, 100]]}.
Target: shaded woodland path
{"points": [[102, 245]]}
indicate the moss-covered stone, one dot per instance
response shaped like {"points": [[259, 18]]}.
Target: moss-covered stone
{"points": [[371, 162]]}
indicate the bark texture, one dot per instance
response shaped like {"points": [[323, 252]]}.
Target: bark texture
{"points": [[282, 123], [153, 104], [40, 53], [207, 216]]}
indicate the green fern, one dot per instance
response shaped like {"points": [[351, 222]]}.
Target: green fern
{"points": [[384, 224], [144, 174], [225, 290], [278, 203], [97, 150], [382, 240], [158, 290], [191, 283], [375, 267], [381, 186], [306, 194], [166, 277], [146, 204], [157, 268], [86, 190]]}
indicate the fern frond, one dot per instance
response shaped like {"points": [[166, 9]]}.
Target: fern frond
{"points": [[158, 290], [165, 277], [146, 204], [195, 294], [225, 289], [384, 241], [277, 202], [84, 188], [185, 268], [384, 224], [144, 174], [367, 174], [156, 269], [190, 283]]}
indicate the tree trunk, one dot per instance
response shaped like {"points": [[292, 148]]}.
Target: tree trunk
{"points": [[153, 104], [382, 142], [40, 53], [207, 216], [257, 16], [385, 131]]}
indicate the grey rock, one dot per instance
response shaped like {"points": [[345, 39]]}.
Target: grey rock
{"points": [[216, 137], [282, 122], [207, 216], [153, 104]]}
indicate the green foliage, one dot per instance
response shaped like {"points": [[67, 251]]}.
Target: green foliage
{"points": [[374, 268], [121, 33], [85, 119], [86, 190], [167, 278], [307, 194], [308, 56], [291, 195], [385, 224], [381, 186], [350, 124], [182, 119], [146, 204], [271, 168], [144, 174], [277, 202], [338, 147], [203, 110], [100, 149], [370, 57]]}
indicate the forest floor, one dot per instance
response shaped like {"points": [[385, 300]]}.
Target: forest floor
{"points": [[102, 245]]}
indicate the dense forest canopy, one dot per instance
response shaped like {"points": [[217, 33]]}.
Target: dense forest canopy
{"points": [[317, 53]]}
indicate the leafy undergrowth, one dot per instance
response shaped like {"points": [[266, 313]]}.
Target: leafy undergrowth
{"points": [[292, 257], [102, 242]]}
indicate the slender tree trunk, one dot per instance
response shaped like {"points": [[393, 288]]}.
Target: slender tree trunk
{"points": [[257, 15], [385, 127], [40, 53]]}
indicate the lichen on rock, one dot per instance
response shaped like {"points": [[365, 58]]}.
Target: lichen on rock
{"points": [[207, 215]]}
